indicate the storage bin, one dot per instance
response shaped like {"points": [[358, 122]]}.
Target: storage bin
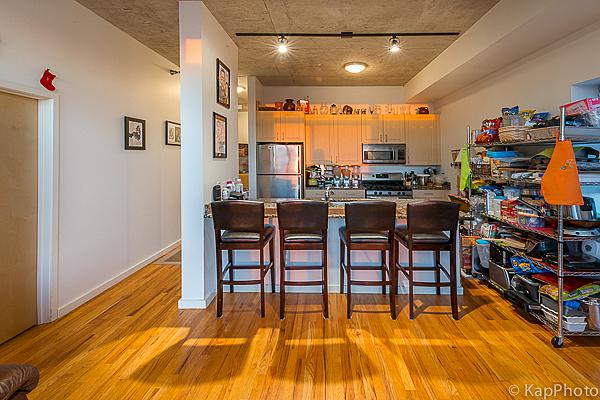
{"points": [[592, 305], [483, 250], [501, 275], [569, 314]]}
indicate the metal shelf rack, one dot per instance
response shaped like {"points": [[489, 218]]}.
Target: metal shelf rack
{"points": [[577, 135]]}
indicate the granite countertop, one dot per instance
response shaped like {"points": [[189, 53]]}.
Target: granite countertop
{"points": [[336, 207]]}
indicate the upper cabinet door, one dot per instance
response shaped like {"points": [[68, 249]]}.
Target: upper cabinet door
{"points": [[319, 139], [292, 126], [371, 129], [348, 139], [393, 129], [422, 144], [268, 126]]}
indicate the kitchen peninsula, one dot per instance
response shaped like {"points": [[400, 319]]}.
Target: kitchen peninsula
{"points": [[336, 220]]}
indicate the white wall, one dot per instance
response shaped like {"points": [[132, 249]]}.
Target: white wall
{"points": [[243, 127], [336, 94], [116, 207], [202, 41], [541, 81]]}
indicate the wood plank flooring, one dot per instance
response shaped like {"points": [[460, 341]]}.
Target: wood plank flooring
{"points": [[133, 343]]}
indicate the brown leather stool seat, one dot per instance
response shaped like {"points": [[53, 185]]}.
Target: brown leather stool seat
{"points": [[369, 226], [239, 225], [302, 226], [427, 224], [17, 380]]}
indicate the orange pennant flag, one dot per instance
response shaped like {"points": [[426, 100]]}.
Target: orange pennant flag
{"points": [[560, 183]]}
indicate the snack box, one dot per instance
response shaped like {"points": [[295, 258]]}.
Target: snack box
{"points": [[582, 106]]}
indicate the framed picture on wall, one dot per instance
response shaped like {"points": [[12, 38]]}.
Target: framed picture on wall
{"points": [[223, 84], [135, 134], [219, 136], [172, 133]]}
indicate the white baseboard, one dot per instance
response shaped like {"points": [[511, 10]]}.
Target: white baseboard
{"points": [[189, 304], [67, 308]]}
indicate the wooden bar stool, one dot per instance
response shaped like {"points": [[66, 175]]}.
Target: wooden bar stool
{"points": [[369, 226], [302, 226], [428, 222], [239, 225]]}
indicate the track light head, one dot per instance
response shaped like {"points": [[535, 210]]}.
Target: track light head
{"points": [[395, 44], [282, 44]]}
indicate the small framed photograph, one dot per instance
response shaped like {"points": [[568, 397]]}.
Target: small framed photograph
{"points": [[172, 133], [219, 136], [135, 134], [223, 84]]}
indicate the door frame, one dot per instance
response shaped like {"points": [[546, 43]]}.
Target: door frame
{"points": [[47, 188]]}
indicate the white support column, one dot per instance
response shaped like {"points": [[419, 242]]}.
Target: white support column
{"points": [[255, 93], [192, 155]]}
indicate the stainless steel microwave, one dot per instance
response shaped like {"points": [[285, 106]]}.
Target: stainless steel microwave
{"points": [[384, 153]]}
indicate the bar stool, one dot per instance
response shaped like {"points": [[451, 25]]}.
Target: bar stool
{"points": [[369, 226], [427, 223], [302, 226], [239, 225]]}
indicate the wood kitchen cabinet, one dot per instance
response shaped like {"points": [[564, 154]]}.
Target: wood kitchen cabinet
{"points": [[383, 129], [333, 139], [348, 138], [319, 139], [280, 126], [422, 139]]}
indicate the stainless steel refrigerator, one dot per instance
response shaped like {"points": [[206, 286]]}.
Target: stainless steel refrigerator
{"points": [[280, 170]]}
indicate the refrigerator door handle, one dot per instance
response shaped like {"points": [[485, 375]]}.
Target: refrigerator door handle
{"points": [[298, 151], [299, 186]]}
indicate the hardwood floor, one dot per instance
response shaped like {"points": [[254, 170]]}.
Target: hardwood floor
{"points": [[133, 343]]}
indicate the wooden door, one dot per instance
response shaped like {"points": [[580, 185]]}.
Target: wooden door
{"points": [[393, 129], [371, 129], [319, 135], [268, 126], [422, 143], [348, 139], [292, 126], [18, 214]]}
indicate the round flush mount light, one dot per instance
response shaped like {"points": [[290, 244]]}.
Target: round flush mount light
{"points": [[355, 67], [241, 89], [282, 45]]}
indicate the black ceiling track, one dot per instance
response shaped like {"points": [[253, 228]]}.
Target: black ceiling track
{"points": [[346, 34]]}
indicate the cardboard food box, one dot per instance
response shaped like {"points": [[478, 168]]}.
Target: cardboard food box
{"points": [[582, 106]]}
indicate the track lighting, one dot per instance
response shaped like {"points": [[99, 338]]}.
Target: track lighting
{"points": [[282, 44], [394, 44]]}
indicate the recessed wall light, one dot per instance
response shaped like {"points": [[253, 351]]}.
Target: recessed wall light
{"points": [[282, 44], [241, 89], [355, 67]]}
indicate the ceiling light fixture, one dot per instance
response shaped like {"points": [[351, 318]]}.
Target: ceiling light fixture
{"points": [[282, 44], [355, 67], [394, 44], [241, 89]]}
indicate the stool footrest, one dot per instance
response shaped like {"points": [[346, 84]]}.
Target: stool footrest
{"points": [[368, 283], [431, 284], [303, 283], [304, 267], [246, 282]]}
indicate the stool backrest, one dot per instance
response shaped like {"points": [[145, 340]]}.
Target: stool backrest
{"points": [[238, 215], [370, 216], [302, 215], [432, 216]]}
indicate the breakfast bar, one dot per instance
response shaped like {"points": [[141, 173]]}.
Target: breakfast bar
{"points": [[336, 216]]}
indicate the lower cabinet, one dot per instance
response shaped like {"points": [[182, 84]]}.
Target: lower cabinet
{"points": [[431, 194]]}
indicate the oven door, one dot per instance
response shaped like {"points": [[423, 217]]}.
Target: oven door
{"points": [[384, 154]]}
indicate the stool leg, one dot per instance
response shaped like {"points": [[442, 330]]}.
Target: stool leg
{"points": [[438, 276], [219, 282], [272, 263], [396, 270], [349, 288], [383, 262], [342, 262], [281, 280], [231, 274], [325, 284], [262, 282], [393, 284], [411, 299], [453, 289]]}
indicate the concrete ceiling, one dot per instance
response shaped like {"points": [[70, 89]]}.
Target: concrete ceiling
{"points": [[311, 61]]}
